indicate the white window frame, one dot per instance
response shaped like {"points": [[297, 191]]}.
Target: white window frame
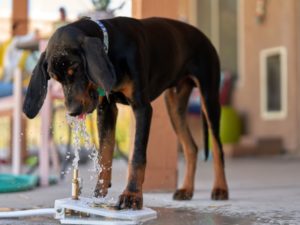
{"points": [[264, 54]]}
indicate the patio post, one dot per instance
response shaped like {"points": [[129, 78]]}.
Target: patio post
{"points": [[161, 172], [20, 17]]}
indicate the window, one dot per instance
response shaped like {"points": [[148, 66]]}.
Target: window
{"points": [[218, 19], [273, 75]]}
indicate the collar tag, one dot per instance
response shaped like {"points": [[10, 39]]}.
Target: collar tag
{"points": [[101, 92]]}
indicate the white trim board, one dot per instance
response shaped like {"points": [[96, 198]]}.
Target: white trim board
{"points": [[264, 54]]}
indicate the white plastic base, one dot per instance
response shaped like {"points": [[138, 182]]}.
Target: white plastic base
{"points": [[99, 215]]}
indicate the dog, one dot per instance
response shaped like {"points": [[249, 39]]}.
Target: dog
{"points": [[133, 62]]}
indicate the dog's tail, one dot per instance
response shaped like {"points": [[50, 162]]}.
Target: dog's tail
{"points": [[205, 137]]}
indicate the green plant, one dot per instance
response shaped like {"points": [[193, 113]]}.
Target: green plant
{"points": [[101, 5]]}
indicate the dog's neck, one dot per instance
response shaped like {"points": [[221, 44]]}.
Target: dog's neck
{"points": [[105, 35]]}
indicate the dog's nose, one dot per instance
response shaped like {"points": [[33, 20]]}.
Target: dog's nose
{"points": [[76, 111]]}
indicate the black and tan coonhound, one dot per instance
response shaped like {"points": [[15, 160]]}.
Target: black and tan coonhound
{"points": [[132, 62]]}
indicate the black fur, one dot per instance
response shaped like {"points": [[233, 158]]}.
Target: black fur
{"points": [[145, 58]]}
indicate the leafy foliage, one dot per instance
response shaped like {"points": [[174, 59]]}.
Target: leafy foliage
{"points": [[101, 5]]}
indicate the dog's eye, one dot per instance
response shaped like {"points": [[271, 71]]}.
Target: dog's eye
{"points": [[74, 65]]}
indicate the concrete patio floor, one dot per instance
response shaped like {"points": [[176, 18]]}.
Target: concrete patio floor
{"points": [[262, 191]]}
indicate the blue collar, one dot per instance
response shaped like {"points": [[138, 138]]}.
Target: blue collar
{"points": [[105, 35]]}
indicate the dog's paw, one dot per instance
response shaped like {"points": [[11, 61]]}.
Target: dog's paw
{"points": [[101, 189], [183, 194], [130, 200], [100, 193], [219, 194]]}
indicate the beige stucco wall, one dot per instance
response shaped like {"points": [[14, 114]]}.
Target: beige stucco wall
{"points": [[150, 8], [297, 58], [20, 16], [279, 29], [161, 172]]}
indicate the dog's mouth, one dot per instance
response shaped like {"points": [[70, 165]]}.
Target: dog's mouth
{"points": [[80, 115]]}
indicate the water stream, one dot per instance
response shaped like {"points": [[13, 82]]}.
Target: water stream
{"points": [[81, 137]]}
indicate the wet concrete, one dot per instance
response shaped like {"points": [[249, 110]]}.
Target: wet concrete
{"points": [[172, 216], [262, 191], [166, 216], [193, 217], [30, 221]]}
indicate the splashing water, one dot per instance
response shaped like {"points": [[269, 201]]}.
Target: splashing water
{"points": [[80, 135], [104, 201], [79, 129], [76, 125]]}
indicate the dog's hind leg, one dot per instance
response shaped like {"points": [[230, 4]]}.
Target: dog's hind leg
{"points": [[211, 108], [176, 101], [106, 121]]}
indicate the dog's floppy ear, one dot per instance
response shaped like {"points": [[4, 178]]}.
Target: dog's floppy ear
{"points": [[37, 89], [99, 68]]}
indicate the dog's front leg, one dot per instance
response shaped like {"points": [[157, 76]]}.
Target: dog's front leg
{"points": [[132, 196], [106, 122]]}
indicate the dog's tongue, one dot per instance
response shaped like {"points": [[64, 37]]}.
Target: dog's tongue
{"points": [[82, 116]]}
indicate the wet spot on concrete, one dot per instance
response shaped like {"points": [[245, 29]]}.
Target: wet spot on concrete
{"points": [[182, 216]]}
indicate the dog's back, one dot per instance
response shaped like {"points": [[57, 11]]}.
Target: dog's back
{"points": [[170, 49]]}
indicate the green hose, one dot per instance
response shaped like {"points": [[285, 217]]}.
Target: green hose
{"points": [[15, 183]]}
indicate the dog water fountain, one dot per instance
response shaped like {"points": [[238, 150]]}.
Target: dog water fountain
{"points": [[85, 210], [81, 210]]}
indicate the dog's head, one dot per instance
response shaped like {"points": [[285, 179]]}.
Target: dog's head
{"points": [[79, 63]]}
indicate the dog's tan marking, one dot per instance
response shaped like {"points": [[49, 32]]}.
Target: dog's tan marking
{"points": [[107, 143], [136, 175], [176, 101], [70, 72], [100, 99], [106, 159], [126, 88], [132, 196]]}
